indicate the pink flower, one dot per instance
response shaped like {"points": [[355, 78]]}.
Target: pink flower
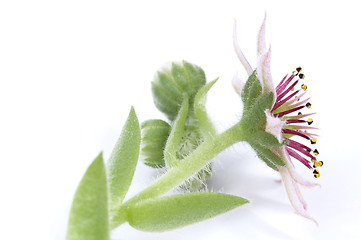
{"points": [[285, 121]]}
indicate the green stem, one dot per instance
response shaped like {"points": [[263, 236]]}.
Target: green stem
{"points": [[184, 169]]}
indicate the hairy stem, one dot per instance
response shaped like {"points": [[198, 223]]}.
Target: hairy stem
{"points": [[184, 169]]}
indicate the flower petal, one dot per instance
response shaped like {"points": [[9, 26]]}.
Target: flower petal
{"points": [[264, 73], [239, 52], [295, 176], [294, 195], [261, 40], [237, 84], [274, 125]]}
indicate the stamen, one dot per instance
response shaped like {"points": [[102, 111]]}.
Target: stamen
{"points": [[308, 105], [293, 132], [280, 96], [304, 87], [295, 121], [302, 76], [298, 157], [309, 121], [313, 141], [317, 164], [280, 87], [281, 114], [316, 152], [283, 101], [316, 173], [299, 147], [298, 116], [298, 69]]}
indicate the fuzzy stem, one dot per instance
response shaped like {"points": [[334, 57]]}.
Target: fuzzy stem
{"points": [[184, 169]]}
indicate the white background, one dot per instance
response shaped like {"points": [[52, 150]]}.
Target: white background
{"points": [[70, 70]]}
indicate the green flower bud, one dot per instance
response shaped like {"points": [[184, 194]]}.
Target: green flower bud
{"points": [[172, 83], [154, 137]]}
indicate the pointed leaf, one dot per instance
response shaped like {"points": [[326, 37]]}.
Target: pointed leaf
{"points": [[200, 113], [89, 218], [252, 89], [123, 160], [255, 117], [175, 211], [170, 150]]}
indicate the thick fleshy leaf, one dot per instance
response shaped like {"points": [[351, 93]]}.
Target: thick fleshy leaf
{"points": [[166, 213], [155, 133], [175, 136], [123, 160], [89, 219], [204, 123]]}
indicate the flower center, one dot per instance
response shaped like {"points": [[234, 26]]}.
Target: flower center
{"points": [[289, 101]]}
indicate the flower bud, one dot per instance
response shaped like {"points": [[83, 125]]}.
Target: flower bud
{"points": [[154, 137], [171, 83]]}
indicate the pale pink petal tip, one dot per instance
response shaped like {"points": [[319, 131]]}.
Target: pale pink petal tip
{"points": [[261, 40], [237, 83], [239, 52], [264, 74], [294, 195]]}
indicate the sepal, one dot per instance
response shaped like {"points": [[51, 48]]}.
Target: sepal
{"points": [[269, 157]]}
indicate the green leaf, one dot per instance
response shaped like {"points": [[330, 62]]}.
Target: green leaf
{"points": [[123, 160], [255, 117], [166, 213], [89, 218], [155, 133], [204, 123], [175, 136], [252, 90]]}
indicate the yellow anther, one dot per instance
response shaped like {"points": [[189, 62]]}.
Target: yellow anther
{"points": [[309, 121], [304, 87], [313, 160], [308, 105], [302, 76], [316, 173], [318, 164], [313, 141], [292, 89], [315, 152], [298, 69]]}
